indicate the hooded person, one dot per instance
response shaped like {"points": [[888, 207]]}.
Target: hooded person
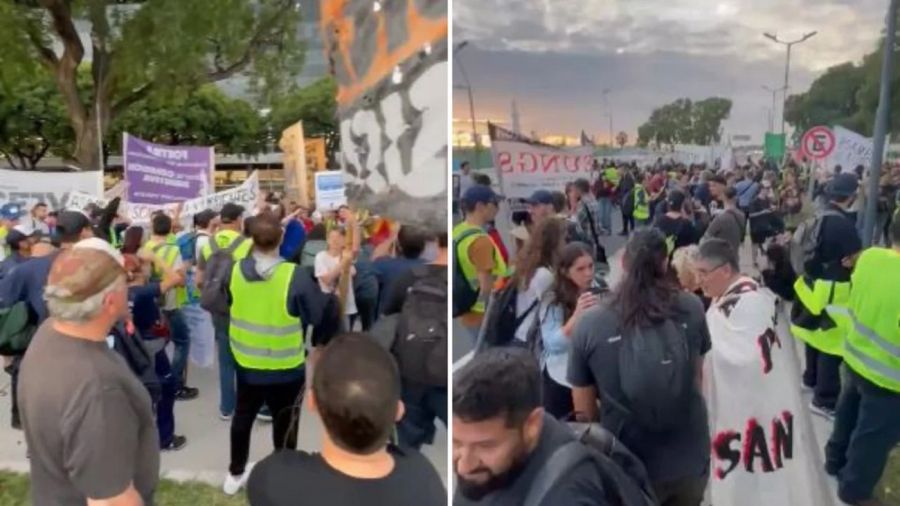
{"points": [[272, 303]]}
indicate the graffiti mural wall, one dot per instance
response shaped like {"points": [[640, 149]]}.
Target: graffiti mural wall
{"points": [[389, 58]]}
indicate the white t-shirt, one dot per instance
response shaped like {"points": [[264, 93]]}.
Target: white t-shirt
{"points": [[326, 263], [201, 242], [540, 283]]}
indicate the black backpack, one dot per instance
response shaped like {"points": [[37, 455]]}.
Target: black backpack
{"points": [[464, 296], [500, 319], [624, 479], [218, 269], [131, 347], [655, 375], [421, 340]]}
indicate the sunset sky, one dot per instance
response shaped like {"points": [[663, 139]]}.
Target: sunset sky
{"points": [[554, 59]]}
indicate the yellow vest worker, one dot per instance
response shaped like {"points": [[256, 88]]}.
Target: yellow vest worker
{"points": [[867, 421], [826, 281], [464, 235], [269, 301], [641, 206], [263, 334], [475, 252], [870, 320]]}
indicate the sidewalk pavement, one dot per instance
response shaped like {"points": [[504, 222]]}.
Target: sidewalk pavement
{"points": [[206, 456]]}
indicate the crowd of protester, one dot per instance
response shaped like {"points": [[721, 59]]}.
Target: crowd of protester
{"points": [[83, 289], [554, 343]]}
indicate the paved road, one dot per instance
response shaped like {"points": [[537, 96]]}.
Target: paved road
{"points": [[205, 458]]}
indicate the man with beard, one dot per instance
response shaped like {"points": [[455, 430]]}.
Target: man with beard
{"points": [[502, 439]]}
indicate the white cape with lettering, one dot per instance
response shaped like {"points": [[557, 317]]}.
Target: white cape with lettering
{"points": [[761, 431]]}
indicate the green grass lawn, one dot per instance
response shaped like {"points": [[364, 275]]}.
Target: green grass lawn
{"points": [[14, 492], [890, 481]]}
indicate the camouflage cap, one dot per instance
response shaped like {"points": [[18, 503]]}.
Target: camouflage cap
{"points": [[79, 273]]}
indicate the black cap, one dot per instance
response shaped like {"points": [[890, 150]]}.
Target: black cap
{"points": [[71, 223], [14, 238], [231, 212]]}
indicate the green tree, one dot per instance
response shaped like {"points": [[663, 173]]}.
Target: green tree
{"points": [[316, 106], [685, 122], [141, 49], [33, 122], [205, 117], [831, 99]]}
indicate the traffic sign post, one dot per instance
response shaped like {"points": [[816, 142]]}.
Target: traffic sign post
{"points": [[818, 142]]}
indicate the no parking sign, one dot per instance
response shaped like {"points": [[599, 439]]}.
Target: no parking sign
{"points": [[818, 142]]}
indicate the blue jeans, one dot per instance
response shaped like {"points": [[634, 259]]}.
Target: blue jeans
{"points": [[866, 429], [227, 387], [606, 208], [165, 408], [181, 340], [422, 405]]}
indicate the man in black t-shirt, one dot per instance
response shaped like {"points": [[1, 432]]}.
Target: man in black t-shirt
{"points": [[356, 393], [424, 403], [503, 440]]}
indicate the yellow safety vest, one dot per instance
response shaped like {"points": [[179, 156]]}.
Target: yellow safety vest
{"points": [[816, 297], [612, 175], [224, 238], [871, 318], [468, 268], [263, 335], [641, 206], [169, 254]]}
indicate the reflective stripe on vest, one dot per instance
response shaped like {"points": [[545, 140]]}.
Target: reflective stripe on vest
{"points": [[871, 319], [263, 335], [815, 299], [169, 255], [641, 207], [468, 268]]}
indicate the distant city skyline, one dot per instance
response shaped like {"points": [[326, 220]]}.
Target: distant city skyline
{"points": [[555, 61]]}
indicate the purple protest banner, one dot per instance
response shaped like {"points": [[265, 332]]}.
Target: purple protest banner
{"points": [[160, 174]]}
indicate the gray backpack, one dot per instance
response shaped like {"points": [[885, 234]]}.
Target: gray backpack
{"points": [[805, 241], [213, 293]]}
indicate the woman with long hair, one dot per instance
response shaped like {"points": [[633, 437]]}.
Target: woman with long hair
{"points": [[669, 431], [561, 310], [132, 240], [534, 270]]}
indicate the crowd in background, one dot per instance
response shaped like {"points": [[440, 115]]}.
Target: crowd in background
{"points": [[269, 285], [548, 331]]}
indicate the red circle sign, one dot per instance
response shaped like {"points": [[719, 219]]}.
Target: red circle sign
{"points": [[818, 142]]}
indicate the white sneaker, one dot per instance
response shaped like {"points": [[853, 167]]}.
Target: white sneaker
{"points": [[233, 484]]}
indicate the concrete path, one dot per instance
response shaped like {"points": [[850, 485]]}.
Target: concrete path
{"points": [[205, 458]]}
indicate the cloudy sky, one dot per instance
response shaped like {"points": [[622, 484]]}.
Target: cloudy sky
{"points": [[555, 56]]}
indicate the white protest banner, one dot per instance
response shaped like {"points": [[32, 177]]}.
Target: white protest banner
{"points": [[524, 165], [246, 195], [762, 446], [55, 189], [851, 149], [330, 193]]}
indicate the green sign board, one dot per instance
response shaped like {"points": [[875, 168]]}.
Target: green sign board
{"points": [[775, 145]]}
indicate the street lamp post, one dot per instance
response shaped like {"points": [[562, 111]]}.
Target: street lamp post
{"points": [[881, 124], [468, 87], [787, 66], [609, 112], [774, 92]]}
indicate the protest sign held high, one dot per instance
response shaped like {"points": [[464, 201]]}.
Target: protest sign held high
{"points": [[52, 188], [525, 165], [158, 174]]}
